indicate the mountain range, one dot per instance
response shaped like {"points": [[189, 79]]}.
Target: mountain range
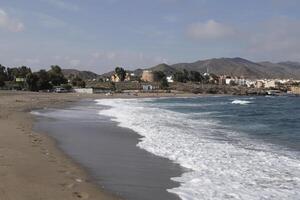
{"points": [[219, 66]]}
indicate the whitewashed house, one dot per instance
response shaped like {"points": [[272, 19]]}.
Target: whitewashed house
{"points": [[147, 87], [170, 79]]}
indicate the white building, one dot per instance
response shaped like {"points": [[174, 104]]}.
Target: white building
{"points": [[270, 83], [83, 90], [235, 80], [91, 90], [228, 81], [147, 87], [170, 79]]}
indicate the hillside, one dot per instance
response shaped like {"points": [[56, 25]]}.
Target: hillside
{"points": [[232, 67], [85, 75], [237, 67], [167, 69]]}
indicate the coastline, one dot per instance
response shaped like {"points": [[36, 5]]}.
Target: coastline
{"points": [[108, 152], [31, 166], [31, 163]]}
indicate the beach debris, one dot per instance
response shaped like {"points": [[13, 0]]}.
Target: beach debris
{"points": [[78, 180]]}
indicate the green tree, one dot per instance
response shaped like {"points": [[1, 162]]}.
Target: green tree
{"points": [[164, 83], [121, 73], [10, 75], [23, 71], [186, 75], [56, 76], [44, 80], [161, 78], [32, 81], [18, 72], [66, 87], [180, 76], [159, 75], [78, 82], [3, 75], [195, 76]]}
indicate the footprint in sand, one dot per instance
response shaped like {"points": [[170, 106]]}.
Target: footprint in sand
{"points": [[68, 185], [81, 195]]}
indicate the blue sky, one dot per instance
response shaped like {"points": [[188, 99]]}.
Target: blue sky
{"points": [[101, 34]]}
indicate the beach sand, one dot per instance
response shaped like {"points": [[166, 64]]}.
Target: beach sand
{"points": [[31, 167], [108, 152]]}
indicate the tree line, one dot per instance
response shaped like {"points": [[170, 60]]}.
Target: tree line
{"points": [[192, 76], [159, 76], [183, 76], [24, 78]]}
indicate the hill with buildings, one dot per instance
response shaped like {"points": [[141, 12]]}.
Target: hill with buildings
{"points": [[219, 66], [243, 67]]}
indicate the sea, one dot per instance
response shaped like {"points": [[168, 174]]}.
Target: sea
{"points": [[230, 147]]}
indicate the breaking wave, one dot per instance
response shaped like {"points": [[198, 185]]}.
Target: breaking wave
{"points": [[241, 102], [222, 163]]}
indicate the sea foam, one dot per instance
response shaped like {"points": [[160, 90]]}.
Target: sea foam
{"points": [[217, 168], [241, 102]]}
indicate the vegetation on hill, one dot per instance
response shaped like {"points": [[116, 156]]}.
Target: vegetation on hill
{"points": [[166, 69], [23, 78], [235, 67], [84, 75], [78, 82], [121, 73], [231, 67], [162, 79]]}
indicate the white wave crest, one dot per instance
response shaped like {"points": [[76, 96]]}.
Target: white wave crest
{"points": [[241, 102], [219, 169]]}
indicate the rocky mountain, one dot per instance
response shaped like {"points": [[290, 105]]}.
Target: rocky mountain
{"points": [[232, 67], [236, 67], [85, 75]]}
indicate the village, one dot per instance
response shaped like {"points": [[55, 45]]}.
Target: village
{"points": [[195, 82], [145, 81]]}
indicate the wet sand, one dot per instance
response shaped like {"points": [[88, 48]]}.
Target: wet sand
{"points": [[109, 153], [31, 166]]}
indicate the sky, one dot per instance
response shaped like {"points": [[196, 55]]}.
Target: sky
{"points": [[99, 35]]}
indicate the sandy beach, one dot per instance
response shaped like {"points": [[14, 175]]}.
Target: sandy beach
{"points": [[31, 167]]}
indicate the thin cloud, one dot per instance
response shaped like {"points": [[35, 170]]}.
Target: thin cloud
{"points": [[277, 38], [128, 59], [50, 21], [63, 4], [9, 23], [209, 30], [74, 62]]}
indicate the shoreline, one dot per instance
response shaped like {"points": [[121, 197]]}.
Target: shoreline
{"points": [[109, 153], [31, 162], [31, 165]]}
